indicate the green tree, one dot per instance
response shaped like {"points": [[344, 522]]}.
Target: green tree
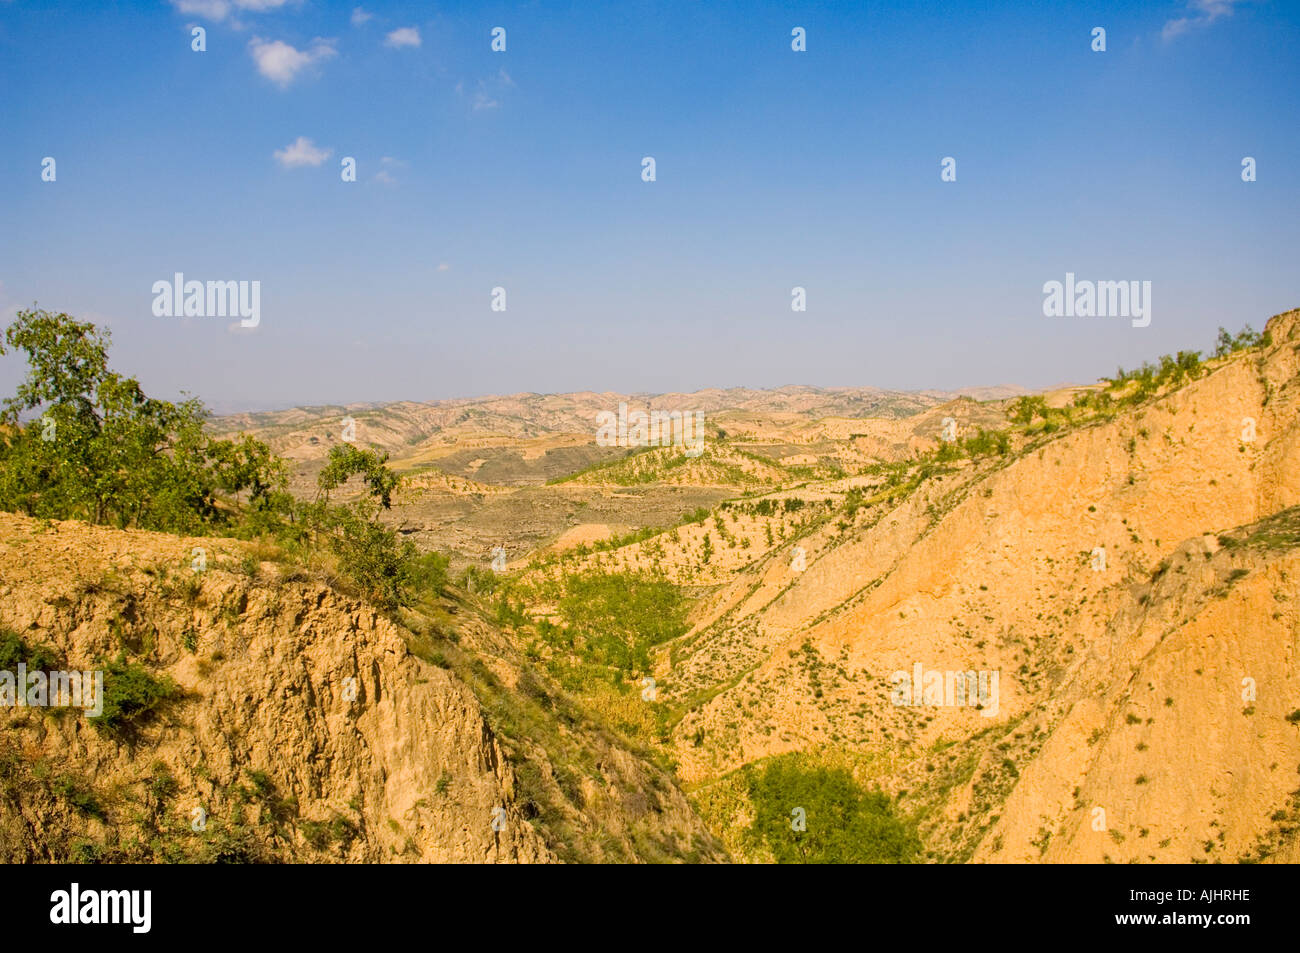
{"points": [[1025, 409], [843, 823], [96, 447], [618, 617], [371, 554]]}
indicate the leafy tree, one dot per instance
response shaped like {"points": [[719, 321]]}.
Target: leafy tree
{"points": [[369, 553], [347, 461], [81, 441], [1025, 409], [853, 501], [101, 450], [987, 443], [1246, 339], [844, 824], [429, 573]]}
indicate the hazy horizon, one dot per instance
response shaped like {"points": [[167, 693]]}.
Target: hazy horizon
{"points": [[227, 408]]}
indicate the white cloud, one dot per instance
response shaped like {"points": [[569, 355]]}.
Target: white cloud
{"points": [[302, 151], [1204, 13], [1214, 8], [220, 9], [443, 266], [208, 9], [387, 165], [281, 63], [403, 36], [360, 17], [489, 92]]}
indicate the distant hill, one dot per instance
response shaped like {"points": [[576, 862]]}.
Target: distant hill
{"points": [[546, 436]]}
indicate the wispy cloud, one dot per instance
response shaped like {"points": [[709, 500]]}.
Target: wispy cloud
{"points": [[403, 36], [281, 63], [387, 166], [1202, 13], [302, 151], [218, 10], [360, 17], [488, 92], [208, 9]]}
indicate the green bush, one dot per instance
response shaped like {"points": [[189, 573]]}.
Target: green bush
{"points": [[103, 451], [77, 793], [845, 824], [618, 617], [13, 651], [987, 443], [429, 574], [372, 556], [131, 694], [478, 580], [1248, 338]]}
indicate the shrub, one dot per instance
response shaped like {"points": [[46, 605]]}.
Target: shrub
{"points": [[131, 694], [845, 823], [618, 617], [987, 443], [429, 573], [13, 650], [78, 794]]}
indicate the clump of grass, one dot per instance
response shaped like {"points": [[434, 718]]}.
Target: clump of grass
{"points": [[13, 651], [131, 695]]}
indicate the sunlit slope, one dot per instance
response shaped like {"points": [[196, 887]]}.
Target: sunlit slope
{"points": [[995, 566]]}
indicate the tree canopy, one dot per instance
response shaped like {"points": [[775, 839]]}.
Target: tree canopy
{"points": [[95, 447], [841, 822], [78, 440]]}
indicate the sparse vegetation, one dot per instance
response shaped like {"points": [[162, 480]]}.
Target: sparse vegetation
{"points": [[596, 665]]}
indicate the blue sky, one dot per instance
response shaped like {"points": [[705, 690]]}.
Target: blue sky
{"points": [[522, 170]]}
